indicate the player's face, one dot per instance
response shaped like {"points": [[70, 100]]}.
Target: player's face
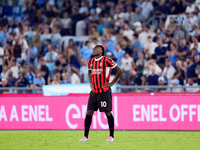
{"points": [[97, 51]]}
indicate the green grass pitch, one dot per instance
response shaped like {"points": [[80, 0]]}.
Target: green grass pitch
{"points": [[124, 140]]}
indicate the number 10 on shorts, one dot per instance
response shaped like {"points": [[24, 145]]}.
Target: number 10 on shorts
{"points": [[103, 104]]}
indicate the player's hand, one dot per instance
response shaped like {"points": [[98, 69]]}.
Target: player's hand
{"points": [[91, 86], [107, 85]]}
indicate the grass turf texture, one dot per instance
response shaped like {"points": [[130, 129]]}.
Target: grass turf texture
{"points": [[124, 140]]}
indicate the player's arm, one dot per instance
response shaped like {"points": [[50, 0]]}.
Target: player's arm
{"points": [[117, 76], [90, 78]]}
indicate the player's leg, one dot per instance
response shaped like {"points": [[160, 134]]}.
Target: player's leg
{"points": [[110, 124], [105, 105], [91, 107], [88, 121]]}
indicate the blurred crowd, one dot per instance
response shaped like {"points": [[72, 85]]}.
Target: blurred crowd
{"points": [[32, 55]]}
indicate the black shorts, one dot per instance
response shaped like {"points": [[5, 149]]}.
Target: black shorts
{"points": [[103, 101]]}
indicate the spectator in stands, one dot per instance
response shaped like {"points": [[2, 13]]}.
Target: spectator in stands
{"points": [[118, 13], [12, 27], [93, 32], [101, 26], [86, 51], [45, 36], [161, 80], [36, 40], [152, 79], [158, 35], [11, 80], [140, 63], [94, 42], [196, 32], [4, 84], [137, 47], [191, 68], [14, 67], [64, 68], [29, 74], [65, 78], [74, 76], [56, 79], [72, 58], [169, 70], [59, 61], [195, 43], [22, 81], [146, 9], [137, 25], [190, 7], [149, 47], [1, 58], [197, 58], [119, 35], [143, 36], [56, 37], [110, 39], [160, 51], [39, 81], [166, 41], [84, 71], [191, 86], [180, 73], [183, 49], [126, 65], [81, 27], [178, 33], [75, 16], [17, 48], [3, 36], [50, 59], [172, 53], [32, 54], [197, 71], [136, 16], [118, 54], [46, 45], [3, 20], [176, 86], [161, 10], [66, 23], [152, 64], [44, 70], [4, 73], [72, 45], [128, 32], [8, 43]]}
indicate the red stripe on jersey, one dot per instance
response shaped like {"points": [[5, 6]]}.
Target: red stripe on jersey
{"points": [[102, 73], [98, 77], [94, 76]]}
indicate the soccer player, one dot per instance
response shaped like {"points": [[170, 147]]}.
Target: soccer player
{"points": [[99, 68]]}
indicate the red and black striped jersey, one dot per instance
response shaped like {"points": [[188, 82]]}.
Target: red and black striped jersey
{"points": [[100, 72]]}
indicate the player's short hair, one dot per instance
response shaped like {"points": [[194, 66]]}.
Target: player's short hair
{"points": [[100, 46]]}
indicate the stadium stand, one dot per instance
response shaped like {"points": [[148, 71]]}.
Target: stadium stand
{"points": [[157, 35]]}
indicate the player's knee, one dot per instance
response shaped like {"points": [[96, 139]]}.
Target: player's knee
{"points": [[90, 112], [108, 113]]}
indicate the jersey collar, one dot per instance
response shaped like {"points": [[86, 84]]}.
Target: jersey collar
{"points": [[98, 58]]}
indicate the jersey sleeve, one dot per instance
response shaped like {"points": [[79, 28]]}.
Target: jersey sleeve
{"points": [[89, 64], [110, 63]]}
